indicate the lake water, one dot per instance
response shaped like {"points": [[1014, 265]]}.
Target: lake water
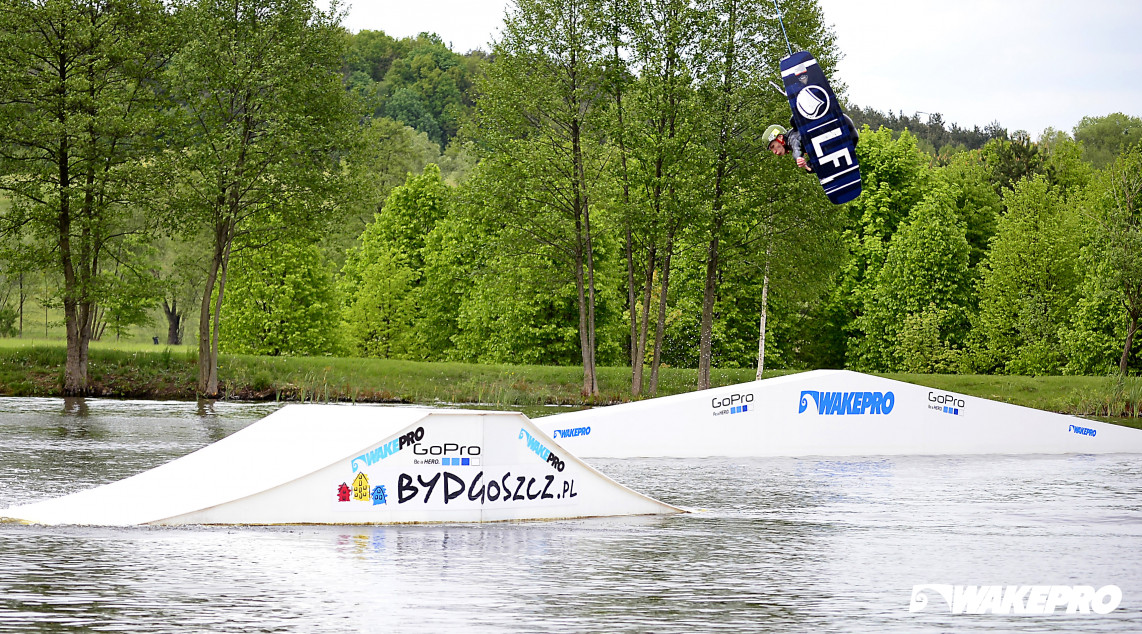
{"points": [[774, 545]]}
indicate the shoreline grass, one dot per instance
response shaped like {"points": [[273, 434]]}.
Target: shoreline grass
{"points": [[146, 371], [1107, 398], [137, 370]]}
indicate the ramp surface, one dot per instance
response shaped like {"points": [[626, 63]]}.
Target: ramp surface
{"points": [[340, 464], [828, 413]]}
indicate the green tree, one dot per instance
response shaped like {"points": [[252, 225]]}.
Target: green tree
{"points": [[781, 249], [264, 122], [406, 106], [539, 121], [382, 276], [25, 266], [282, 301], [454, 261], [390, 151], [1104, 138], [77, 115], [417, 81], [1092, 341], [949, 139], [410, 213], [1055, 156], [372, 53], [925, 279], [524, 313], [1029, 284], [977, 203], [129, 290], [895, 177], [1063, 164], [654, 117], [1012, 160], [16, 274], [179, 276], [1115, 253], [380, 309], [739, 46], [438, 78]]}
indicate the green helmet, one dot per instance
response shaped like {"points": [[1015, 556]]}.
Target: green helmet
{"points": [[772, 132]]}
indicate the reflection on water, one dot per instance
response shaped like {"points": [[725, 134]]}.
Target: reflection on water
{"points": [[774, 544], [75, 406]]}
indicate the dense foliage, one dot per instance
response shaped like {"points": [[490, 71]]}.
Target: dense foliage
{"points": [[417, 81], [592, 191], [932, 134]]}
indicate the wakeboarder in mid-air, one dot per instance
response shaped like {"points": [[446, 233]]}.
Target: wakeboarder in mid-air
{"points": [[821, 138]]}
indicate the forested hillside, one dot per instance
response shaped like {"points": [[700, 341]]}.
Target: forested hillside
{"points": [[419, 82], [592, 191], [933, 135]]}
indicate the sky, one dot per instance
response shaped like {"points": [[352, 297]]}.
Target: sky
{"points": [[1028, 64]]}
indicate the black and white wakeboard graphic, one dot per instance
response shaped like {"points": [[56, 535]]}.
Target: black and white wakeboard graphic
{"points": [[826, 136]]}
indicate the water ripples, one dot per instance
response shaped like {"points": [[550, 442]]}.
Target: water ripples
{"points": [[772, 545]]}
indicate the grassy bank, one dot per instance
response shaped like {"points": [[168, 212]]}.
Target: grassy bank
{"points": [[35, 368], [1081, 395]]}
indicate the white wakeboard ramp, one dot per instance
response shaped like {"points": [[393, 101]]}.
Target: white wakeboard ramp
{"points": [[828, 413], [342, 464]]}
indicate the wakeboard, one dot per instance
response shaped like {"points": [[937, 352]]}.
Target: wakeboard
{"points": [[827, 138]]}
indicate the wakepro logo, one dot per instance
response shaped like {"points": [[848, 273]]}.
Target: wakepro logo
{"points": [[389, 448], [1022, 600], [847, 403], [541, 450], [1082, 431]]}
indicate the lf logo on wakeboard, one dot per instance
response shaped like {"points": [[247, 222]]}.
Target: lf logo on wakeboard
{"points": [[829, 140]]}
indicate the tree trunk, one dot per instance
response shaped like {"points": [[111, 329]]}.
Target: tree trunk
{"points": [[75, 365], [1122, 363], [23, 297], [583, 257], [78, 342], [212, 379], [709, 294], [764, 312], [207, 362], [174, 322], [636, 355], [590, 384], [98, 325], [639, 359], [660, 327], [84, 309], [635, 376], [592, 347], [204, 359], [584, 340], [722, 171]]}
